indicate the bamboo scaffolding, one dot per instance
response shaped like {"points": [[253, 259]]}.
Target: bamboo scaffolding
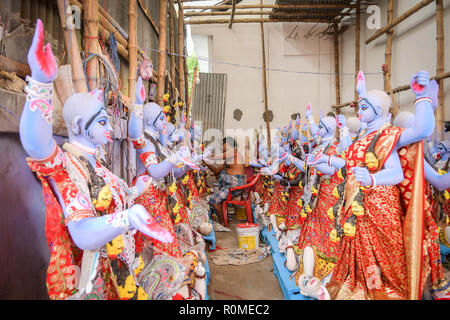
{"points": [[162, 50], [404, 16], [90, 9], [233, 9], [258, 20], [113, 22], [73, 50], [405, 87], [440, 63], [266, 99], [132, 47], [191, 97]]}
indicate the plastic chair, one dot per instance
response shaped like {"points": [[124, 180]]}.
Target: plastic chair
{"points": [[245, 201]]}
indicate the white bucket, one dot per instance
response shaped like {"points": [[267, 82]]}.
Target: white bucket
{"points": [[248, 235]]}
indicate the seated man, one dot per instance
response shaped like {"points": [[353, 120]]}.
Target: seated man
{"points": [[230, 174]]}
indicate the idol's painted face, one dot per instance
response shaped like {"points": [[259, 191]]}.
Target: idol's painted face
{"points": [[160, 122], [98, 129], [366, 111], [309, 285], [323, 131]]}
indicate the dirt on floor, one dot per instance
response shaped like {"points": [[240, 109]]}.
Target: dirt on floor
{"points": [[254, 281]]}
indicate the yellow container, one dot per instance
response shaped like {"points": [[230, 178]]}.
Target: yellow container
{"points": [[240, 213], [248, 236]]}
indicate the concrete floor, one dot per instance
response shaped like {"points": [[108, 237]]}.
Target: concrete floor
{"points": [[247, 282]]}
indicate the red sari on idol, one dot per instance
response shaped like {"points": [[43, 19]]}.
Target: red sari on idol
{"points": [[380, 254]]}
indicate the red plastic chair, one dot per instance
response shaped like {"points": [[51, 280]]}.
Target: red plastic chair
{"points": [[246, 201]]}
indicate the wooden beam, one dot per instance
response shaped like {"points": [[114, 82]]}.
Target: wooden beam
{"points": [[233, 9], [73, 49], [266, 99], [258, 20], [440, 63], [404, 16], [270, 6], [162, 50], [148, 15], [10, 65]]}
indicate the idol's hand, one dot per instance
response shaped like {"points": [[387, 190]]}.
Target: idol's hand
{"points": [[142, 221], [362, 175], [41, 60], [308, 112], [312, 160], [139, 92], [433, 90], [420, 83], [361, 84], [340, 121]]}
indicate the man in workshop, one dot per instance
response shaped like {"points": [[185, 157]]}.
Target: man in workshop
{"points": [[230, 173]]}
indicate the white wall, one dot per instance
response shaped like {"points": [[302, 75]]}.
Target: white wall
{"points": [[414, 48]]}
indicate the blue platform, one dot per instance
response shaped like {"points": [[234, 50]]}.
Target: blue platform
{"points": [[445, 251], [288, 286]]}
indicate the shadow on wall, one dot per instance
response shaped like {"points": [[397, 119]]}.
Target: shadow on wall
{"points": [[22, 214]]}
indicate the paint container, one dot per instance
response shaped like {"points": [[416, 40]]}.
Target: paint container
{"points": [[248, 236]]}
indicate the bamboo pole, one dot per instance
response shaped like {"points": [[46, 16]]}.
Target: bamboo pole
{"points": [[233, 9], [266, 99], [251, 13], [337, 66], [270, 6], [388, 58], [404, 16], [172, 43], [113, 22], [405, 87], [440, 63], [257, 20], [73, 50], [182, 83], [191, 97], [162, 50], [132, 47], [90, 9], [357, 44]]}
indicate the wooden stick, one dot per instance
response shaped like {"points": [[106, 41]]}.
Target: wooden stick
{"points": [[266, 99], [113, 22], [90, 9], [440, 63], [259, 20], [388, 58], [132, 47], [233, 9], [405, 15], [148, 15], [182, 83], [162, 50], [72, 49]]}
